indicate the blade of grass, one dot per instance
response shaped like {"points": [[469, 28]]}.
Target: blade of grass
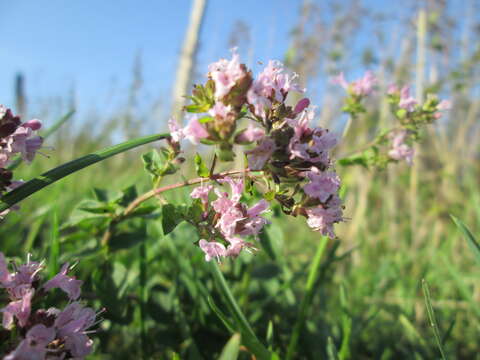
{"points": [[32, 233], [52, 129], [331, 350], [467, 234], [432, 319], [231, 350], [307, 298], [249, 337], [53, 267], [18, 159], [346, 325], [49, 177]]}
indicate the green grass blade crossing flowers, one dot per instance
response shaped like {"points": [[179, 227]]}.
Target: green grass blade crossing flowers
{"points": [[49, 177]]}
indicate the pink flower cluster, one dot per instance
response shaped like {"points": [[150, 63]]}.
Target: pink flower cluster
{"points": [[400, 150], [232, 219], [361, 87], [287, 149], [17, 138], [51, 333], [272, 85]]}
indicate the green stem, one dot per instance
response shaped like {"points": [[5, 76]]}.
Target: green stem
{"points": [[251, 340], [66, 169], [307, 299]]}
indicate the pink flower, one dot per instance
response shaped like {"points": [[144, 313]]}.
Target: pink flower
{"points": [[35, 344], [322, 219], [68, 284], [176, 132], [72, 324], [258, 157], [229, 220], [400, 150], [301, 105], [194, 131], [33, 124], [220, 110], [406, 101], [443, 105], [236, 246], [250, 134], [212, 249], [202, 192], [225, 74], [360, 87], [19, 309], [271, 85], [40, 334], [340, 80], [322, 184], [392, 89], [307, 143], [21, 141]]}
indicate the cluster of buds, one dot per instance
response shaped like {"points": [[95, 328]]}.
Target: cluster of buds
{"points": [[293, 156], [42, 333], [16, 138]]}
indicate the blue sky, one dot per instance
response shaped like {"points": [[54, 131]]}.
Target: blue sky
{"points": [[91, 45]]}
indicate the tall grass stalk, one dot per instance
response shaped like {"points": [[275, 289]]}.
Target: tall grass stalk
{"points": [[307, 298]]}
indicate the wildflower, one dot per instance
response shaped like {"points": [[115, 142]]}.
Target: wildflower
{"points": [[68, 284], [258, 157], [406, 101], [322, 184], [442, 105], [250, 134], [212, 249], [400, 150], [322, 217], [35, 344], [310, 144], [194, 131], [201, 193], [360, 87], [225, 74], [301, 105], [271, 85], [71, 325]]}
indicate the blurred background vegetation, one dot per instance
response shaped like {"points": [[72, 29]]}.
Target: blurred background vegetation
{"points": [[368, 298]]}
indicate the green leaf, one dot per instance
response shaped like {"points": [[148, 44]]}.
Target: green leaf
{"points": [[152, 162], [200, 166], [205, 119], [467, 234], [100, 194], [128, 195], [51, 176], [95, 207], [171, 217], [231, 350]]}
